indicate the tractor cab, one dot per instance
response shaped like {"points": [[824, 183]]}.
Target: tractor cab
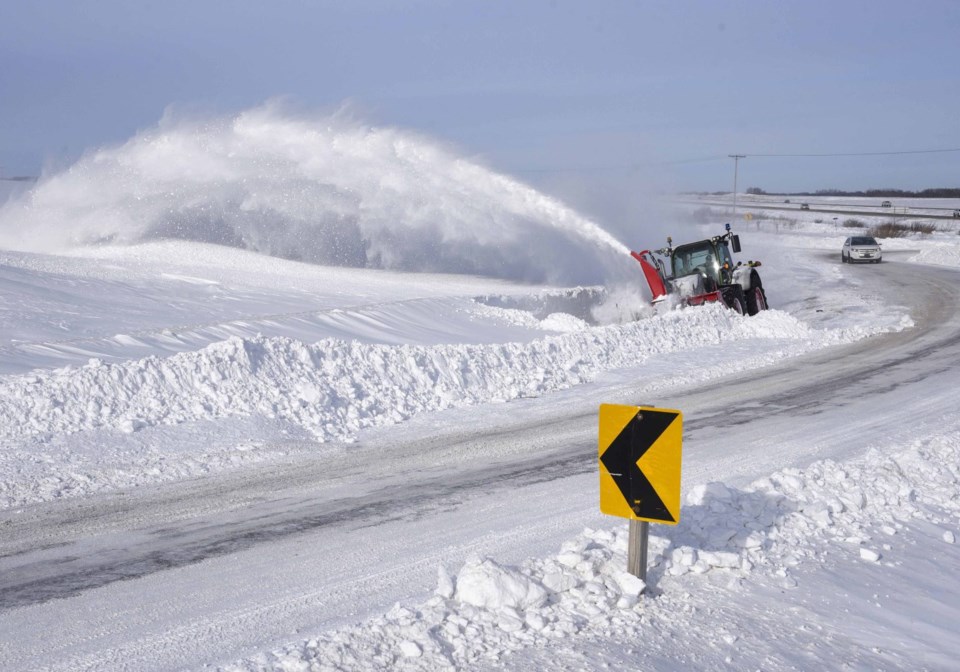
{"points": [[709, 258]]}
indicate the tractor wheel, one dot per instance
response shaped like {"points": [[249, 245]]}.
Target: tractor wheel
{"points": [[734, 298], [756, 300]]}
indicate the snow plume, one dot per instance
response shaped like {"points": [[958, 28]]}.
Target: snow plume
{"points": [[322, 189]]}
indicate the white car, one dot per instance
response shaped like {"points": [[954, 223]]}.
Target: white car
{"points": [[861, 249]]}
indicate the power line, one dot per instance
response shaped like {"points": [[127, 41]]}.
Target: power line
{"points": [[711, 159], [907, 151]]}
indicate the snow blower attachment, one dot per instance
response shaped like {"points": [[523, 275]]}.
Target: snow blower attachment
{"points": [[704, 272]]}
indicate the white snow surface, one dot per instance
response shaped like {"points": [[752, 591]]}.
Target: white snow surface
{"points": [[325, 390], [126, 366], [832, 544]]}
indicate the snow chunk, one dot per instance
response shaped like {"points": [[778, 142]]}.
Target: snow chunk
{"points": [[445, 587], [410, 649], [132, 425], [720, 559], [705, 493], [629, 584], [484, 583], [559, 581], [563, 322]]}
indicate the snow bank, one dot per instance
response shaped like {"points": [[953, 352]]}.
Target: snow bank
{"points": [[773, 533], [335, 388], [940, 253], [107, 426]]}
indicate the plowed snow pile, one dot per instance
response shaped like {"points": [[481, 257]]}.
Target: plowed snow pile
{"points": [[334, 388], [331, 390]]}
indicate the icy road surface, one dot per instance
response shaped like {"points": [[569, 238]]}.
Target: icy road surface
{"points": [[137, 580]]}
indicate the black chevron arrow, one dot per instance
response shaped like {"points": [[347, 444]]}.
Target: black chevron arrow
{"points": [[621, 459]]}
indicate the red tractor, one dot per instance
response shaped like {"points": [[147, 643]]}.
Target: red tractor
{"points": [[703, 272]]}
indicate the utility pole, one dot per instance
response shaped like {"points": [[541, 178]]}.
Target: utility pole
{"points": [[736, 160]]}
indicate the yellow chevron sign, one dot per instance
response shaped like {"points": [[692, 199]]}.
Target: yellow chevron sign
{"points": [[640, 457]]}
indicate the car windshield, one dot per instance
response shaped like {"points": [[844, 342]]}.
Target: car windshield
{"points": [[863, 240]]}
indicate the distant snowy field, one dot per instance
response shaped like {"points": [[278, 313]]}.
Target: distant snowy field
{"points": [[158, 324]]}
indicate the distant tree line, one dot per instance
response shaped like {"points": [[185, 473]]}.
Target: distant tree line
{"points": [[942, 192]]}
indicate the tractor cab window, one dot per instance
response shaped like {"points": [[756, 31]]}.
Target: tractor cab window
{"points": [[697, 259], [725, 257]]}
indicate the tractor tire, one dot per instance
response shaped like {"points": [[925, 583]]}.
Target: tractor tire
{"points": [[756, 300], [734, 298]]}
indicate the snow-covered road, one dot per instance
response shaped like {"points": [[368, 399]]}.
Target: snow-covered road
{"points": [[136, 580]]}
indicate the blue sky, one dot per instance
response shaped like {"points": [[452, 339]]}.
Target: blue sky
{"points": [[592, 101]]}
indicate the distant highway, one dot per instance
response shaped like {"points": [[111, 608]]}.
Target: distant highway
{"points": [[834, 208]]}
